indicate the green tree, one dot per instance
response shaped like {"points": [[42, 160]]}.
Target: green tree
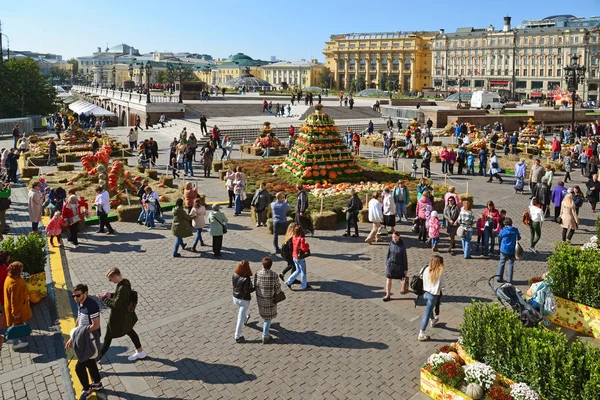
{"points": [[59, 76], [324, 75], [187, 75], [360, 83], [75, 64], [383, 81], [25, 90], [393, 82], [161, 77]]}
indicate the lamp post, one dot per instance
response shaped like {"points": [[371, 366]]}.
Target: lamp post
{"points": [[114, 73], [131, 76], [459, 87], [170, 75], [141, 68], [574, 75], [148, 72], [180, 71]]}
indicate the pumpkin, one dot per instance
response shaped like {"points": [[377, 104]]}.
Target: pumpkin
{"points": [[307, 174], [474, 391], [332, 175], [35, 297], [162, 198], [456, 357], [161, 185], [323, 172]]}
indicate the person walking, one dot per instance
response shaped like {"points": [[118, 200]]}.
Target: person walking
{"points": [[433, 230], [88, 320], [299, 248], [423, 210], [122, 317], [279, 208], [426, 163], [569, 218], [203, 121], [375, 217], [535, 177], [260, 201], [578, 198], [509, 236], [16, 133], [17, 309], [466, 220], [301, 208], [353, 207], [190, 194], [444, 159], [71, 212], [35, 199], [396, 263], [451, 214], [491, 216], [198, 214], [433, 283], [558, 194], [229, 177], [389, 209], [567, 161], [536, 219], [402, 198], [102, 203], [180, 227], [266, 286], [217, 221], [494, 168], [242, 289], [239, 189], [593, 191], [483, 157], [286, 253]]}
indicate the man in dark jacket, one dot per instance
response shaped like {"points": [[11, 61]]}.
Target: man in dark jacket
{"points": [[354, 206], [483, 156], [12, 165], [301, 207]]}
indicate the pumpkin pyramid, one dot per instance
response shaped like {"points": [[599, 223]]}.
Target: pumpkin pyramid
{"points": [[319, 152]]}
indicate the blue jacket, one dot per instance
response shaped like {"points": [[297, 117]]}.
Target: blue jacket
{"points": [[558, 193], [471, 160], [483, 156], [280, 209], [508, 236], [514, 140]]}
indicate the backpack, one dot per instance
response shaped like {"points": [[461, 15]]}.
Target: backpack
{"points": [[133, 300], [285, 250], [416, 283], [526, 218]]}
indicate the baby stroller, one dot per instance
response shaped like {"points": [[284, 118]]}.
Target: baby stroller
{"points": [[519, 184], [508, 293]]}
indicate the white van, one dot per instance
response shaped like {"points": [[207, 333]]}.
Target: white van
{"points": [[486, 100]]}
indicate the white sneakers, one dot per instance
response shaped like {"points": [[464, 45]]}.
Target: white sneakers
{"points": [[19, 345], [137, 356], [433, 322]]}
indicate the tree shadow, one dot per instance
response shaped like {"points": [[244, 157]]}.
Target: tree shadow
{"points": [[189, 369], [342, 257], [124, 237], [233, 253], [236, 227], [354, 290], [420, 301], [444, 326], [109, 393]]}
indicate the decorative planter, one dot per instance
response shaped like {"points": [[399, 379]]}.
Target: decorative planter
{"points": [[578, 317], [37, 283], [435, 389]]}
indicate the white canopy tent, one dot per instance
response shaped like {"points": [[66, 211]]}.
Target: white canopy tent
{"points": [[83, 107]]}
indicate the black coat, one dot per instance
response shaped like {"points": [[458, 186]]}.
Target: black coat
{"points": [[396, 261], [242, 287]]}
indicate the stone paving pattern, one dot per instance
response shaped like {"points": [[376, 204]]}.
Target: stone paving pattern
{"points": [[336, 341]]}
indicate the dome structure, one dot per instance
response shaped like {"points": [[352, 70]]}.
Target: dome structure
{"points": [[249, 81]]}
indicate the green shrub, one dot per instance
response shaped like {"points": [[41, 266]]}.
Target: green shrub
{"points": [[598, 227], [545, 360], [27, 249], [575, 274]]}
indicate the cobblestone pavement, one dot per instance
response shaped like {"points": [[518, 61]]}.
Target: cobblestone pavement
{"points": [[338, 340]]}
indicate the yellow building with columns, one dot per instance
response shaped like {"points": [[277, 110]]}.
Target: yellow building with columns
{"points": [[403, 57], [298, 74]]}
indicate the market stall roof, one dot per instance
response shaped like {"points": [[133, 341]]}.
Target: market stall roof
{"points": [[88, 108]]}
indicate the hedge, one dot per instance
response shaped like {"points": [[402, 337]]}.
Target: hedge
{"points": [[545, 360], [27, 249], [575, 274]]}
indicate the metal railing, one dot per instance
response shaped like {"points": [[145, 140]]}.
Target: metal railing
{"points": [[133, 97]]}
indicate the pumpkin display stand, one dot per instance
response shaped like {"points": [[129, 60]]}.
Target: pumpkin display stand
{"points": [[320, 154]]}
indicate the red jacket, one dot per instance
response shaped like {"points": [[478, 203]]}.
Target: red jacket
{"points": [[3, 275], [298, 242], [589, 152], [495, 216], [555, 145]]}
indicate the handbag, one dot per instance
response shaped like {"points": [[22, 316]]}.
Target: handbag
{"points": [[461, 232], [17, 332], [224, 228], [303, 254], [519, 253], [404, 287], [279, 297]]}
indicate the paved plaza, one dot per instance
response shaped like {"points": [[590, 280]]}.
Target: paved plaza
{"points": [[336, 341]]}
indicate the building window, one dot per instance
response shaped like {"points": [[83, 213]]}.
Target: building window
{"points": [[521, 85], [384, 44], [532, 72], [558, 72], [373, 77], [395, 64], [341, 65], [493, 42], [373, 65], [524, 71], [407, 64], [373, 44], [363, 45], [352, 45], [549, 72], [352, 65], [363, 64], [384, 65]]}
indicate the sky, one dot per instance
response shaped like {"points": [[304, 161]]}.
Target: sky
{"points": [[289, 30]]}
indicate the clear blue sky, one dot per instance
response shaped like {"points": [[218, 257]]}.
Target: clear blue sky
{"points": [[290, 30]]}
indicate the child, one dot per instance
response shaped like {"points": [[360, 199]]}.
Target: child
{"points": [[434, 230], [480, 227], [414, 168], [174, 167], [471, 164], [180, 161], [54, 228]]}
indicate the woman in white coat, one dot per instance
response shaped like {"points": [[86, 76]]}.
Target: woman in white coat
{"points": [[495, 168], [198, 214], [35, 199], [376, 218], [389, 210]]}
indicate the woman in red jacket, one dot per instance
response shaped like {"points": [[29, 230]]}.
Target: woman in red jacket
{"points": [[71, 212], [491, 217], [299, 246]]}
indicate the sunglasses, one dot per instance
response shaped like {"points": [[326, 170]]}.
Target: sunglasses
{"points": [[75, 296]]}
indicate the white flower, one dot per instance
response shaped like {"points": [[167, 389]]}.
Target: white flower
{"points": [[521, 391], [590, 245], [480, 374], [435, 360]]}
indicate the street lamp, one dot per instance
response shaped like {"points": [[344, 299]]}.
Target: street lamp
{"points": [[170, 76], [148, 72], [141, 68], [131, 76], [180, 71], [574, 75], [459, 87], [114, 73]]}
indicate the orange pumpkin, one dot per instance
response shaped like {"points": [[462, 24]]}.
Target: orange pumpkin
{"points": [[316, 174], [307, 174], [332, 175], [323, 172], [162, 198]]}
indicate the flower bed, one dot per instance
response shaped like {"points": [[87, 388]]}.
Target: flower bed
{"points": [[577, 317]]}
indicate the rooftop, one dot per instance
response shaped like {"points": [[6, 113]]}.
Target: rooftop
{"points": [[378, 35]]}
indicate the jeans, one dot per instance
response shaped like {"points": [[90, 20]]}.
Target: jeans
{"points": [[276, 227], [15, 140], [434, 242], [178, 242], [555, 155], [536, 232], [150, 219], [386, 150], [444, 167], [82, 368], [300, 270], [188, 167], [401, 210], [224, 153], [266, 327], [504, 258], [466, 243], [238, 204], [482, 168], [431, 300], [488, 240], [198, 237], [266, 152], [242, 315]]}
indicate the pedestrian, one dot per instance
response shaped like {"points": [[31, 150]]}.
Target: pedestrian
{"points": [[148, 122], [71, 212], [470, 164], [16, 300], [190, 194], [491, 216], [578, 198], [300, 249], [567, 161], [396, 263], [279, 208], [242, 289], [138, 122], [402, 198], [4, 260], [535, 177], [52, 153], [180, 227], [451, 161], [301, 209], [389, 209], [353, 208], [444, 159], [520, 173], [509, 236], [122, 317], [569, 218], [102, 203], [433, 283], [451, 214], [433, 229], [426, 163], [229, 177], [227, 147], [217, 221], [86, 348], [451, 195], [558, 194], [423, 211], [207, 159], [198, 214], [203, 121], [149, 208], [356, 143], [55, 227], [536, 219], [35, 199], [466, 220], [483, 156], [494, 168], [260, 201], [163, 119], [375, 217], [266, 286], [16, 132], [239, 189]]}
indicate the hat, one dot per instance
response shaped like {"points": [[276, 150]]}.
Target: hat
{"points": [[41, 180], [434, 214]]}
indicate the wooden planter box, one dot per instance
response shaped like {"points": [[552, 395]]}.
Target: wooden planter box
{"points": [[436, 390], [577, 317]]}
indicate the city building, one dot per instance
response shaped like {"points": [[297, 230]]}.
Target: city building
{"points": [[233, 67], [399, 60], [46, 61], [298, 74], [521, 63]]}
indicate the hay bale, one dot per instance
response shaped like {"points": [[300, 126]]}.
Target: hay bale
{"points": [[36, 161], [327, 220], [123, 160], [363, 215], [66, 167], [30, 172], [270, 224], [436, 143], [466, 197], [222, 174], [167, 180], [217, 166], [129, 213], [141, 169], [152, 174]]}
